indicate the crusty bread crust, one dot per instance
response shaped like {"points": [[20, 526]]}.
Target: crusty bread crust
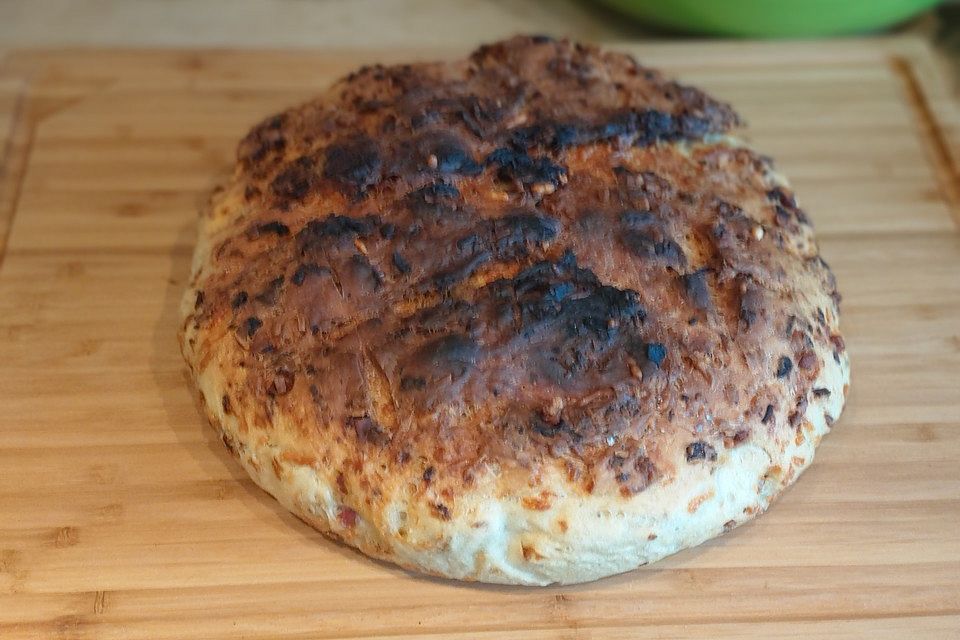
{"points": [[531, 317]]}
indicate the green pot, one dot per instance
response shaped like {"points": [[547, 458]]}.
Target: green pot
{"points": [[771, 18]]}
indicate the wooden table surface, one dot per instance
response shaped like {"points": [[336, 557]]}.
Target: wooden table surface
{"points": [[124, 517]]}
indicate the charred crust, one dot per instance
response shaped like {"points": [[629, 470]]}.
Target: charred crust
{"points": [[656, 353], [306, 270], [274, 227], [646, 236], [441, 511], [784, 367], [449, 356], [251, 325], [502, 321], [400, 263], [264, 141], [413, 383], [294, 182], [321, 234], [700, 450], [767, 414], [518, 167], [353, 163], [697, 290], [446, 154]]}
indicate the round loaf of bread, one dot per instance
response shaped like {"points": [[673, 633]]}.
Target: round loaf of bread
{"points": [[530, 317]]}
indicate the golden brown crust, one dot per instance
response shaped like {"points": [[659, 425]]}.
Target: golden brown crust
{"points": [[544, 256]]}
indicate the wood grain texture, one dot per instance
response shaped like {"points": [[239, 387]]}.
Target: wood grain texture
{"points": [[124, 517]]}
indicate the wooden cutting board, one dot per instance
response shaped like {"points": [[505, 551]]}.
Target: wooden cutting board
{"points": [[122, 516]]}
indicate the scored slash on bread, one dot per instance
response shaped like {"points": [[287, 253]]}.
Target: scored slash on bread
{"points": [[534, 316]]}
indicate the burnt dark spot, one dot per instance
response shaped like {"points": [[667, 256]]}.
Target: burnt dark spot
{"points": [[412, 383], [697, 290], [450, 356], [469, 244], [353, 163], [573, 299], [452, 156], [639, 219], [646, 237], [441, 511], [541, 39], [318, 233], [784, 367], [791, 323], [551, 430], [251, 325], [445, 279], [306, 270], [693, 127], [656, 353], [654, 126], [511, 236], [782, 198], [199, 301], [265, 139], [575, 319], [368, 430], [428, 474], [781, 216], [821, 392], [433, 199], [295, 181], [666, 249], [481, 116], [515, 234], [700, 450], [751, 304], [517, 166], [767, 415], [269, 294], [225, 403], [426, 118], [239, 300], [401, 263], [274, 227], [387, 230], [364, 270], [615, 461], [644, 474], [644, 127]]}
